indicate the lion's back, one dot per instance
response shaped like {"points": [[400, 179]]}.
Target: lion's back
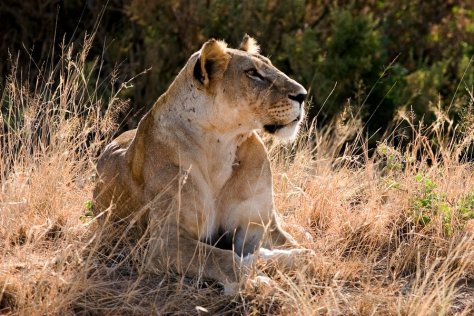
{"points": [[112, 186]]}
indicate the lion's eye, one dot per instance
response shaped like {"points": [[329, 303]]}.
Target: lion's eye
{"points": [[253, 73]]}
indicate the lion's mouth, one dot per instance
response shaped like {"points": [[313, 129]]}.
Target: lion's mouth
{"points": [[273, 128]]}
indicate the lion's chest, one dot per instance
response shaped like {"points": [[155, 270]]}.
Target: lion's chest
{"points": [[214, 172], [217, 165]]}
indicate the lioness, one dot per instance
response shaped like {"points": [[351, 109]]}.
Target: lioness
{"points": [[197, 153]]}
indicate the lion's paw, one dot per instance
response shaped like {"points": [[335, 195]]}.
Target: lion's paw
{"points": [[286, 258]]}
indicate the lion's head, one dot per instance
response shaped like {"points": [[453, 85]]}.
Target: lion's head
{"points": [[245, 90]]}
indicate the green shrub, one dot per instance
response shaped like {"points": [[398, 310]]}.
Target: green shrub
{"points": [[378, 56], [430, 204]]}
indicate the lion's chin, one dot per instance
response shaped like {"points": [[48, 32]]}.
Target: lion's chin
{"points": [[289, 132], [286, 133]]}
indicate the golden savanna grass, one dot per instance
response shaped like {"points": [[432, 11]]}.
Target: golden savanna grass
{"points": [[393, 229]]}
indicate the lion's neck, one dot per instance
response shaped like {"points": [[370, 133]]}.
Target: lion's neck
{"points": [[186, 120]]}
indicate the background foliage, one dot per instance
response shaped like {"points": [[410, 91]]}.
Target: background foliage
{"points": [[378, 58]]}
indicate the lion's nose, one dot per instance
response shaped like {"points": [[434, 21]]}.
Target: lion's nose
{"points": [[298, 98]]}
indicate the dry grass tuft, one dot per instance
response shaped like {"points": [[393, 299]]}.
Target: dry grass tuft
{"points": [[393, 231]]}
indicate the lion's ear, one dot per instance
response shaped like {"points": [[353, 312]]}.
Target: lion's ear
{"points": [[212, 62], [249, 44]]}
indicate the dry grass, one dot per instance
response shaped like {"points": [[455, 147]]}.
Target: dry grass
{"points": [[393, 233]]}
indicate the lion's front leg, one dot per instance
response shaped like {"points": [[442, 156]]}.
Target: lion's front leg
{"points": [[246, 205]]}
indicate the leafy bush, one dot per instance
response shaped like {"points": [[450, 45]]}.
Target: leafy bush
{"points": [[429, 204], [380, 57]]}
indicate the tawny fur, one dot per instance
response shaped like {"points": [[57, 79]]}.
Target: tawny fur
{"points": [[199, 170]]}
